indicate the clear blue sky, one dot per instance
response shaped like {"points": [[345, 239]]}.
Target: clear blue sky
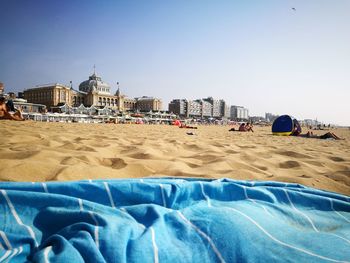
{"points": [[259, 54]]}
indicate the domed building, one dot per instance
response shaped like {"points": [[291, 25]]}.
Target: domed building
{"points": [[95, 84], [92, 92], [96, 92]]}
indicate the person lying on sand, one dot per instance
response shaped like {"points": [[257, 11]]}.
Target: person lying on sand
{"points": [[328, 135], [187, 127], [243, 128], [5, 113]]}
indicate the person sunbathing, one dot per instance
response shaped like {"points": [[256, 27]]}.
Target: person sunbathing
{"points": [[328, 135], [5, 113], [187, 126], [243, 128]]}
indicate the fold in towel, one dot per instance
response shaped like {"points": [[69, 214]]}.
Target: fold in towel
{"points": [[172, 220]]}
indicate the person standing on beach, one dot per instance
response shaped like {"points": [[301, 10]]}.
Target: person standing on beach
{"points": [[5, 112]]}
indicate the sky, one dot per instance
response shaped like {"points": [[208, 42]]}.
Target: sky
{"points": [[278, 56]]}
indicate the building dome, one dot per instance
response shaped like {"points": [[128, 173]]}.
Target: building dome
{"points": [[95, 84]]}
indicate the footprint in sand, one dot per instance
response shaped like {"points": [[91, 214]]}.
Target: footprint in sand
{"points": [[304, 176], [294, 154], [289, 164], [231, 152], [115, 163], [337, 159], [18, 155]]}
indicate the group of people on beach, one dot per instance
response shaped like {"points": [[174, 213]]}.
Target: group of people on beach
{"points": [[247, 127], [244, 127], [8, 111]]}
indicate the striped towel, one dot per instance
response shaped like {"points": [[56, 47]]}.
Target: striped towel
{"points": [[172, 220]]}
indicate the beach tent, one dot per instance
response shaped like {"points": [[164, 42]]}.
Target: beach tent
{"points": [[284, 125]]}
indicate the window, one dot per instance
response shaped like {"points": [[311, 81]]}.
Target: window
{"points": [[63, 96]]}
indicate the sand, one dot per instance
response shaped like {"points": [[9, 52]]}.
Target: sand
{"points": [[35, 151]]}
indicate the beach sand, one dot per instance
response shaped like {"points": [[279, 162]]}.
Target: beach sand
{"points": [[35, 151]]}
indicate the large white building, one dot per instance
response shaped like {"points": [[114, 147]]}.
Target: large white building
{"points": [[148, 104], [194, 108], [207, 109], [200, 108], [215, 107], [179, 107], [239, 113]]}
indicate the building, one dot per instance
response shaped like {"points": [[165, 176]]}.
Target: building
{"points": [[20, 103], [50, 95], [202, 108], [146, 104], [178, 107], [225, 110], [215, 107], [92, 92], [239, 113], [96, 92], [194, 108], [207, 109], [28, 107]]}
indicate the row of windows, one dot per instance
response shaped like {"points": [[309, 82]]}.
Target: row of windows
{"points": [[40, 94], [103, 89], [108, 100], [106, 104], [78, 100], [129, 104]]}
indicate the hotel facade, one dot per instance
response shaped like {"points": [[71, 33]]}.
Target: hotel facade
{"points": [[92, 92], [200, 108], [239, 113]]}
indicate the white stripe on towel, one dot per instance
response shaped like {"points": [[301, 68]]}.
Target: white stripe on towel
{"points": [[155, 248], [19, 221], [46, 254], [281, 242], [80, 204], [163, 196], [216, 251], [308, 218], [15, 251], [7, 253], [6, 241], [45, 187], [109, 194], [337, 211], [252, 200], [96, 229], [347, 240], [205, 196]]}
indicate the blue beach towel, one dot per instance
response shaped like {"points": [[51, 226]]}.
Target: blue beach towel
{"points": [[172, 220]]}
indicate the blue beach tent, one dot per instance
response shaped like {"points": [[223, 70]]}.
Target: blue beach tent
{"points": [[284, 125]]}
